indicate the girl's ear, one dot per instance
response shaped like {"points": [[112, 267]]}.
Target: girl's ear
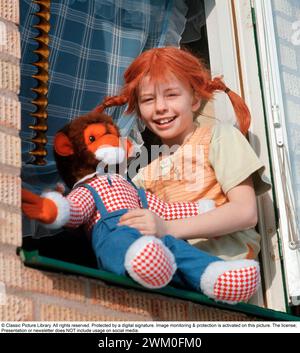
{"points": [[62, 145], [196, 102]]}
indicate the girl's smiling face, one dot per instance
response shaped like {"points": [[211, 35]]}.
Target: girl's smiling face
{"points": [[167, 108]]}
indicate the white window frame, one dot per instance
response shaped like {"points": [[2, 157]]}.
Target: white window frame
{"points": [[230, 37], [279, 145]]}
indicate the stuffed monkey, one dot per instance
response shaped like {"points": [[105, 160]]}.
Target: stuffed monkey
{"points": [[84, 149]]}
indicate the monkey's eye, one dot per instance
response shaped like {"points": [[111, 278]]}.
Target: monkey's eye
{"points": [[92, 138]]}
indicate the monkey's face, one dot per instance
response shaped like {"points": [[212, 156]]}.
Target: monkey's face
{"points": [[90, 140], [105, 143], [88, 143]]}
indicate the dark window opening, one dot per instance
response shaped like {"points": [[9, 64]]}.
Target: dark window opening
{"points": [[70, 245]]}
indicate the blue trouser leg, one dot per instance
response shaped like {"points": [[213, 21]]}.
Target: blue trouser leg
{"points": [[111, 248], [191, 262], [111, 242]]}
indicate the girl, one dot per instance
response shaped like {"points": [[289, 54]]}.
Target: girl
{"points": [[165, 87]]}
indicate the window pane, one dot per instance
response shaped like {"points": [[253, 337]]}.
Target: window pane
{"points": [[286, 15]]}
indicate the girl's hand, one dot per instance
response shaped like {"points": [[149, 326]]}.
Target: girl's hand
{"points": [[147, 222]]}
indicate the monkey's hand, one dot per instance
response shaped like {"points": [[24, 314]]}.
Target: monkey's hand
{"points": [[38, 208]]}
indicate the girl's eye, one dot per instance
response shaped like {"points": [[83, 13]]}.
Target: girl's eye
{"points": [[147, 100], [92, 138]]}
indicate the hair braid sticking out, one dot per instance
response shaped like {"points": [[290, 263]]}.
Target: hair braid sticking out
{"points": [[111, 102]]}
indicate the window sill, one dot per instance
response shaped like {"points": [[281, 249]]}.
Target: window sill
{"points": [[33, 259]]}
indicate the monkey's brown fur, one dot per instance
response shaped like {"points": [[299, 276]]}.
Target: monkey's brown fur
{"points": [[83, 162]]}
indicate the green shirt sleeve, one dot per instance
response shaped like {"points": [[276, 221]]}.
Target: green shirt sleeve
{"points": [[234, 160]]}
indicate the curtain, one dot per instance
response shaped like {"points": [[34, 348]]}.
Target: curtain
{"points": [[92, 42]]}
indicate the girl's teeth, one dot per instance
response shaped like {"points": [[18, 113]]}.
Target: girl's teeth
{"points": [[165, 121]]}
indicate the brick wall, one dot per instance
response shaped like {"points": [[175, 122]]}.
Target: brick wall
{"points": [[29, 294]]}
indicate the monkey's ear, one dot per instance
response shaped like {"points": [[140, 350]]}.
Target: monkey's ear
{"points": [[62, 145]]}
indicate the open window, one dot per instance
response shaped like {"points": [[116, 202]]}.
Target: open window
{"points": [[249, 43], [231, 38], [277, 30]]}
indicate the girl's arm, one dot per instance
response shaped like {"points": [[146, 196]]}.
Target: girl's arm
{"points": [[237, 214]]}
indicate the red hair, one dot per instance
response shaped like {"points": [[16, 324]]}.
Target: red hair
{"points": [[158, 64]]}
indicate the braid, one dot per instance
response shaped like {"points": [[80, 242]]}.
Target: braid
{"points": [[111, 102], [216, 85], [240, 108]]}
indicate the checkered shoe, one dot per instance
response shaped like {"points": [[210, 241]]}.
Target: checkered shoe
{"points": [[149, 262], [231, 281]]}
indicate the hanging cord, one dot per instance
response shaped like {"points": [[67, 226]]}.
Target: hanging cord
{"points": [[42, 76]]}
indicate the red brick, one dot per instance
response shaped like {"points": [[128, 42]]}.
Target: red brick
{"points": [[10, 228], [10, 186], [10, 112], [147, 304], [10, 44], [9, 10], [10, 76], [10, 150], [51, 312], [14, 274], [16, 309]]}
